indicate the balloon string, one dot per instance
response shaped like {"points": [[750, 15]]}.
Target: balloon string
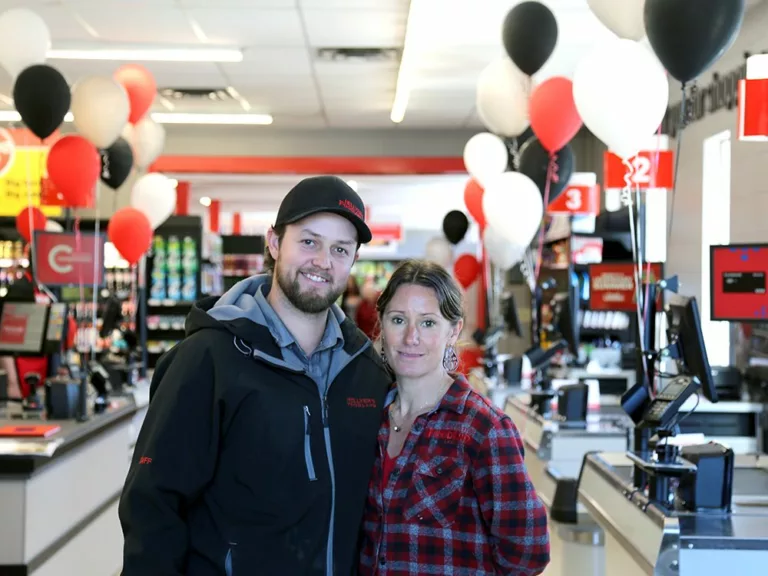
{"points": [[96, 261], [514, 152], [84, 335], [30, 205], [686, 114], [551, 176], [626, 199]]}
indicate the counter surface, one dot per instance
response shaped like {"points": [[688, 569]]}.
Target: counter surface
{"points": [[23, 456]]}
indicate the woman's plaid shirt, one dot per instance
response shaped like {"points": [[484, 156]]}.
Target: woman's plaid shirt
{"points": [[459, 500]]}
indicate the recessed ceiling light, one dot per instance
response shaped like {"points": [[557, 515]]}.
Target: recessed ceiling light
{"points": [[205, 201]]}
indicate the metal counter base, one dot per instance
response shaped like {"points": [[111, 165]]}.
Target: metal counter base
{"points": [[59, 509], [642, 539], [553, 458]]}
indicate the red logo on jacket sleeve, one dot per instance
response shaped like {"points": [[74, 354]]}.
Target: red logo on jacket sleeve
{"points": [[145, 460]]}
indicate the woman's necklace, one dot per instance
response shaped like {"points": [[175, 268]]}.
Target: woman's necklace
{"points": [[423, 408]]}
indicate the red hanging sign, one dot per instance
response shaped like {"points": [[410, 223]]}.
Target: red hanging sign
{"points": [[576, 200], [645, 174], [63, 259], [753, 109], [612, 286]]}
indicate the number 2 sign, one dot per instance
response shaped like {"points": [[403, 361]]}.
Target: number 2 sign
{"points": [[576, 200], [645, 174]]}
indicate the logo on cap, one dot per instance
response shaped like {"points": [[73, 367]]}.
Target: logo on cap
{"points": [[351, 207]]}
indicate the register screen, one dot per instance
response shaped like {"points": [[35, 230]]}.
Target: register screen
{"points": [[22, 326], [739, 283]]}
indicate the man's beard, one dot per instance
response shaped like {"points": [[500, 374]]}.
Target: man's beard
{"points": [[308, 302]]}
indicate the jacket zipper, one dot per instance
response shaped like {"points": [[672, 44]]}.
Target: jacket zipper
{"points": [[308, 446], [228, 563]]}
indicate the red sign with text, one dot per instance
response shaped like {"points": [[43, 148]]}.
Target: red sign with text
{"points": [[13, 327], [739, 290], [63, 259], [645, 172], [612, 286], [576, 200], [386, 232]]}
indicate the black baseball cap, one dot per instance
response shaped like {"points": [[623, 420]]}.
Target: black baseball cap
{"points": [[324, 194]]}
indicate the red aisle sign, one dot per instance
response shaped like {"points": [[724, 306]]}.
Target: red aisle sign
{"points": [[576, 200], [63, 259], [644, 173], [612, 286], [386, 232]]}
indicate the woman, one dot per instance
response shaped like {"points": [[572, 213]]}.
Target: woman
{"points": [[449, 493]]}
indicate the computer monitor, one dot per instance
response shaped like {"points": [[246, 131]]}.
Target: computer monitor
{"points": [[510, 315], [687, 342], [22, 327], [566, 317], [738, 282]]}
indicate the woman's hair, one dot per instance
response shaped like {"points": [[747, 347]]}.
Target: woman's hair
{"points": [[429, 275]]}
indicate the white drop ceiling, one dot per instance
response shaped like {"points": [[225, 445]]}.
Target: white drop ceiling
{"points": [[281, 74]]}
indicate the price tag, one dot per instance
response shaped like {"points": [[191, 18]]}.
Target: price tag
{"points": [[576, 200], [644, 173]]}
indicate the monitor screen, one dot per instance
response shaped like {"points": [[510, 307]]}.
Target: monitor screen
{"points": [[738, 282], [22, 327]]}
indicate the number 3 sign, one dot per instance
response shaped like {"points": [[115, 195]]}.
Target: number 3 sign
{"points": [[644, 173], [576, 200]]}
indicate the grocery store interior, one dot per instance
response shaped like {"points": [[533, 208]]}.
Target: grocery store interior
{"points": [[577, 166]]}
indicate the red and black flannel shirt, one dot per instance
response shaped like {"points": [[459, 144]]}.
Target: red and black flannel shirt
{"points": [[459, 499]]}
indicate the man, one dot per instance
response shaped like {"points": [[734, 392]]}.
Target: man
{"points": [[256, 451]]}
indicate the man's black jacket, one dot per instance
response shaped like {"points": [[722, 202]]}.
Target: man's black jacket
{"points": [[242, 467]]}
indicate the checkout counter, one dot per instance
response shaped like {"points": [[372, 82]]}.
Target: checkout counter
{"points": [[601, 522], [64, 455]]}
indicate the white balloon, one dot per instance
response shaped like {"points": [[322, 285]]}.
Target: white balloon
{"points": [[513, 206], [485, 156], [100, 109], [439, 251], [501, 252], [502, 98], [624, 18], [24, 40], [53, 226], [147, 138], [155, 195], [622, 93]]}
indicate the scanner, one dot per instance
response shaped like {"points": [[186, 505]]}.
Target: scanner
{"points": [[693, 478]]}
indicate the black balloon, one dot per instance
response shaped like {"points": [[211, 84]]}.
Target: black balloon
{"points": [[42, 97], [116, 163], [529, 35], [534, 163], [455, 226], [688, 36]]}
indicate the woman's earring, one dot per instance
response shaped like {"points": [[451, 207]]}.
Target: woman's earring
{"points": [[383, 355], [450, 359]]}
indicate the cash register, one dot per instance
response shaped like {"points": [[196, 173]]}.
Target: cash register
{"points": [[680, 506]]}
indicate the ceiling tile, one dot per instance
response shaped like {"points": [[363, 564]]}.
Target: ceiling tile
{"points": [[142, 23], [374, 4], [250, 26], [355, 28], [271, 62], [237, 3], [359, 120]]}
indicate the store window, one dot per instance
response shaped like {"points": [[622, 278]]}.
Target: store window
{"points": [[715, 229]]}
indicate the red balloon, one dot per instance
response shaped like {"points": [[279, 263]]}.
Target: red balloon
{"points": [[466, 269], [553, 114], [131, 233], [23, 221], [473, 198], [74, 167], [141, 88]]}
